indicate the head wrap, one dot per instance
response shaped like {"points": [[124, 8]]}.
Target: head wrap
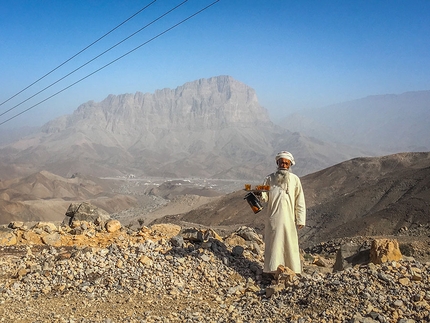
{"points": [[286, 155]]}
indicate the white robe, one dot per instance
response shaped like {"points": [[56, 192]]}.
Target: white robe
{"points": [[285, 209]]}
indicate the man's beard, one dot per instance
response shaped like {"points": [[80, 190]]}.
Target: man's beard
{"points": [[282, 177]]}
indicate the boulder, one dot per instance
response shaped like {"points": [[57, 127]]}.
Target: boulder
{"points": [[45, 226], [211, 234], [177, 241], [249, 234], [53, 239], [7, 237], [237, 251], [86, 212], [234, 240], [351, 254], [166, 229], [16, 225], [192, 234], [384, 250], [113, 226]]}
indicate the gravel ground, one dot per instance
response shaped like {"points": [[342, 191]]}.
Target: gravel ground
{"points": [[161, 280]]}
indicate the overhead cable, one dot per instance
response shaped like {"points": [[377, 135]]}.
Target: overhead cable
{"points": [[110, 63], [129, 18], [94, 58]]}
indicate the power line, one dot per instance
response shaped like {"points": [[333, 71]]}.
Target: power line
{"points": [[129, 18], [94, 58], [117, 59]]}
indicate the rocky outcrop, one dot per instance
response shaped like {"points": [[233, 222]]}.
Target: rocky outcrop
{"points": [[384, 250], [7, 237], [85, 212], [351, 254]]}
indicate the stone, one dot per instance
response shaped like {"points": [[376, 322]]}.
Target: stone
{"points": [[319, 261], [205, 258], [273, 289], [237, 251], [166, 229], [192, 234], [349, 255], [416, 276], [119, 264], [16, 225], [249, 234], [113, 226], [211, 234], [46, 226], [31, 237], [285, 274], [404, 281], [53, 239], [86, 212], [145, 260], [7, 237], [177, 241], [235, 240], [384, 250]]}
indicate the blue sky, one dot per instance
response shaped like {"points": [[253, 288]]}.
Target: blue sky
{"points": [[295, 54]]}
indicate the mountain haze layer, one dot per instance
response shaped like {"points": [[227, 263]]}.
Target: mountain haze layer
{"points": [[380, 124], [207, 128]]}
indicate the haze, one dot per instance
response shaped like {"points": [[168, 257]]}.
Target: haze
{"points": [[295, 55]]}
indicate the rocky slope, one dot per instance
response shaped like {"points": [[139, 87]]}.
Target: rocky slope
{"points": [[170, 274], [363, 196]]}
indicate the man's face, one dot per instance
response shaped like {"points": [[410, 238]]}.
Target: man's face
{"points": [[284, 163]]}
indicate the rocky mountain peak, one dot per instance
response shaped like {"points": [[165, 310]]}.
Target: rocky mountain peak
{"points": [[213, 103]]}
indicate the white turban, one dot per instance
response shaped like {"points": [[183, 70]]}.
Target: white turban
{"points": [[286, 155]]}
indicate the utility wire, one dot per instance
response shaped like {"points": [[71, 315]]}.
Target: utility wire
{"points": [[94, 58], [117, 59], [129, 18]]}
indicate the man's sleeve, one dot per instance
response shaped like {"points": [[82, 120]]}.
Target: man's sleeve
{"points": [[300, 209]]}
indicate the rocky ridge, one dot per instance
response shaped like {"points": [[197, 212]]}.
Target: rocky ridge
{"points": [[208, 128], [103, 272]]}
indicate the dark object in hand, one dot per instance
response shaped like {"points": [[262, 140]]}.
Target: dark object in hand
{"points": [[253, 202]]}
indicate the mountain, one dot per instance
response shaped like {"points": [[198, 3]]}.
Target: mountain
{"points": [[380, 124], [207, 128], [362, 196]]}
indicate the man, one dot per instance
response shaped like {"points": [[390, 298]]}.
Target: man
{"points": [[286, 211]]}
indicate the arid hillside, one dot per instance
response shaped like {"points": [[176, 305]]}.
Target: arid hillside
{"points": [[362, 196], [44, 196]]}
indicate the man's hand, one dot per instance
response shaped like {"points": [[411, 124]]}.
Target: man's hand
{"points": [[300, 226]]}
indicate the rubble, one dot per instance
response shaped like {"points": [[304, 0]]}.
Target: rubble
{"points": [[164, 274]]}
